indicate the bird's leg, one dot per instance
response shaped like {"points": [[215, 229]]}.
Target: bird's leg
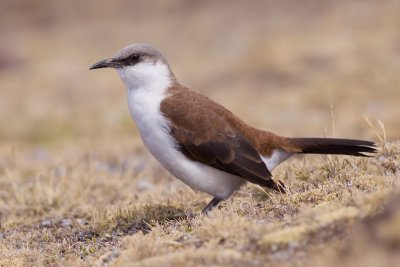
{"points": [[214, 202]]}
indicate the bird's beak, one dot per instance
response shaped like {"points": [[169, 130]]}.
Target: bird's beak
{"points": [[106, 63]]}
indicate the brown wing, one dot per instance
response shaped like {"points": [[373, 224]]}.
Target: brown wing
{"points": [[204, 136]]}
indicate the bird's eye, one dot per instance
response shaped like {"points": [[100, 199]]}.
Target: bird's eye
{"points": [[131, 60], [134, 58]]}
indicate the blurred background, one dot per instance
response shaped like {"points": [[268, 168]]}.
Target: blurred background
{"points": [[292, 67]]}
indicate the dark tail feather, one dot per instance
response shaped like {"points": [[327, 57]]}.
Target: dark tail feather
{"points": [[334, 146]]}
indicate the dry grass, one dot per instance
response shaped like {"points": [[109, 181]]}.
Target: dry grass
{"points": [[96, 210], [78, 188]]}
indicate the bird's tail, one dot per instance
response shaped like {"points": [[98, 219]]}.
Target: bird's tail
{"points": [[337, 146]]}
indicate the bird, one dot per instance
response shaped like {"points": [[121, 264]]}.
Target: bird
{"points": [[199, 141]]}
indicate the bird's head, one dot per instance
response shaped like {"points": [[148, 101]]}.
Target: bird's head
{"points": [[138, 65]]}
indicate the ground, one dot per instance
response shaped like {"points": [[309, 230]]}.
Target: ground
{"points": [[77, 187]]}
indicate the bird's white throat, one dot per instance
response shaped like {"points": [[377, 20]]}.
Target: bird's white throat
{"points": [[146, 86], [147, 75]]}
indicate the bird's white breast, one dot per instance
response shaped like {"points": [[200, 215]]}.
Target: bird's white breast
{"points": [[147, 86]]}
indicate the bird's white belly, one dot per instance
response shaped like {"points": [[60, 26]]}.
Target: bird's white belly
{"points": [[154, 131]]}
